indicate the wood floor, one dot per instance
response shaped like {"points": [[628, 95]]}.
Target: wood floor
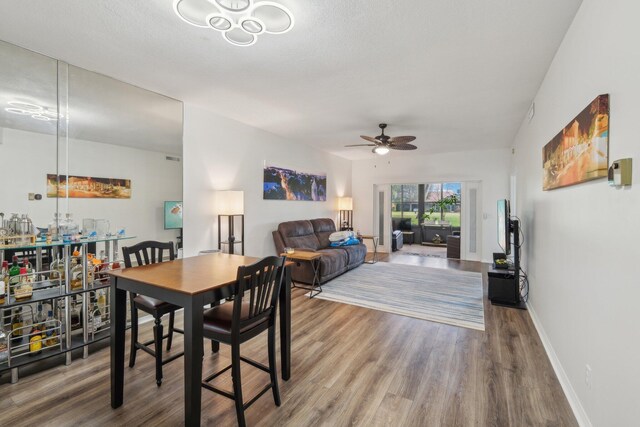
{"points": [[350, 366]]}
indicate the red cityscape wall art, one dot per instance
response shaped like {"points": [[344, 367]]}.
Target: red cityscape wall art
{"points": [[580, 152], [87, 187]]}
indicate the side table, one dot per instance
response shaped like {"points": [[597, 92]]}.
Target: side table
{"points": [[408, 237], [374, 239], [313, 258]]}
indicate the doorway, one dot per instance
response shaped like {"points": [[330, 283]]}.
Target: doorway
{"points": [[428, 221]]}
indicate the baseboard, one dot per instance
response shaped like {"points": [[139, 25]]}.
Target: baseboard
{"points": [[570, 393]]}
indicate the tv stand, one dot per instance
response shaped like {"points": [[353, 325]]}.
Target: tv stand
{"points": [[504, 284]]}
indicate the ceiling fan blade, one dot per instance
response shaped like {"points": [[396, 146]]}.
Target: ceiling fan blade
{"points": [[403, 147], [370, 139], [362, 145], [402, 139]]}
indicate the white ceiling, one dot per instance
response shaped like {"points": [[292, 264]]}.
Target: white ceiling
{"points": [[458, 74]]}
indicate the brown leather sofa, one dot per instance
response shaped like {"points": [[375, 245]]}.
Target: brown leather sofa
{"points": [[313, 235]]}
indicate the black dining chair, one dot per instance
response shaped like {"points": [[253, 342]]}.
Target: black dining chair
{"points": [[252, 312], [151, 252]]}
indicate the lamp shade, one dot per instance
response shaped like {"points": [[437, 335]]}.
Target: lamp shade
{"points": [[229, 202], [345, 204]]}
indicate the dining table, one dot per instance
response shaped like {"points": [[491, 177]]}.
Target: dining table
{"points": [[190, 283]]}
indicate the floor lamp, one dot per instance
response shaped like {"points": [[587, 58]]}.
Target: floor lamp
{"points": [[230, 205], [345, 206]]}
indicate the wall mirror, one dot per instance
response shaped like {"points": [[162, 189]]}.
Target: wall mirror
{"points": [[76, 142]]}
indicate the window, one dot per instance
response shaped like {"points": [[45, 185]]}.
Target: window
{"points": [[406, 203], [445, 191]]}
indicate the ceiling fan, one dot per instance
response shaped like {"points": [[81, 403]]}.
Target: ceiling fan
{"points": [[383, 143]]}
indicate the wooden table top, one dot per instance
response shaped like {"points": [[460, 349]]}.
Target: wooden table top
{"points": [[368, 236], [302, 255], [191, 275]]}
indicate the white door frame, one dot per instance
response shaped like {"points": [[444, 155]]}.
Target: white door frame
{"points": [[468, 251], [471, 249], [382, 216]]}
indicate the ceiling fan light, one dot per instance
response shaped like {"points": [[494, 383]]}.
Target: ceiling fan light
{"points": [[381, 150]]}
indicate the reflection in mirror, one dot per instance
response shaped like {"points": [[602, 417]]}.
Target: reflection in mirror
{"points": [[28, 122], [117, 147], [124, 156]]}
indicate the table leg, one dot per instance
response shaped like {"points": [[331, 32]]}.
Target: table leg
{"points": [[215, 345], [118, 325], [285, 324], [193, 353], [375, 250], [315, 265]]}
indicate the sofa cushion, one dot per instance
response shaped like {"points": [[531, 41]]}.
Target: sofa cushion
{"points": [[333, 262], [298, 234], [323, 227], [355, 254]]}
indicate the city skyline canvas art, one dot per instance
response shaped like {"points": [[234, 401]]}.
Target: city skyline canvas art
{"points": [[580, 151], [287, 184], [86, 187]]}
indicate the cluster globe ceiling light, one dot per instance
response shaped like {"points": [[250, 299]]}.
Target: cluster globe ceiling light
{"points": [[239, 21]]}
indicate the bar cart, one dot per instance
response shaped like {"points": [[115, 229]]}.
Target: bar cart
{"points": [[78, 303]]}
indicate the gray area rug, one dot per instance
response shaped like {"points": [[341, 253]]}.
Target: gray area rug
{"points": [[439, 295]]}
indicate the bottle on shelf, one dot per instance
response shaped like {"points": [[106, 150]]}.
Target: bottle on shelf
{"points": [[76, 275], [25, 288], [35, 340], [4, 344], [75, 316], [51, 333], [30, 276], [96, 314], [39, 319], [4, 281], [14, 275], [57, 269], [54, 227], [116, 263], [68, 228], [102, 302], [17, 322], [92, 264]]}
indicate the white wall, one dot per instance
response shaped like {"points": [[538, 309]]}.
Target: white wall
{"points": [[581, 247], [491, 167], [153, 180], [222, 154]]}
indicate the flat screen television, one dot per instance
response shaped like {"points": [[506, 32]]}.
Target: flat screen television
{"points": [[172, 215], [504, 225]]}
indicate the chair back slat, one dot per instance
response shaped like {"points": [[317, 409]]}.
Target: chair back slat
{"points": [[260, 283], [147, 252]]}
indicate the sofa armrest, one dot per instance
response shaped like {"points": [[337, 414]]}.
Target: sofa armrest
{"points": [[277, 240]]}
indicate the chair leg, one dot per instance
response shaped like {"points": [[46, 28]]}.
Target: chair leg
{"points": [[237, 383], [272, 365], [157, 334], [134, 334], [172, 318]]}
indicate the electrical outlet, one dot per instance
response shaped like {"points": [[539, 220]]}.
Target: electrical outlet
{"points": [[588, 378]]}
